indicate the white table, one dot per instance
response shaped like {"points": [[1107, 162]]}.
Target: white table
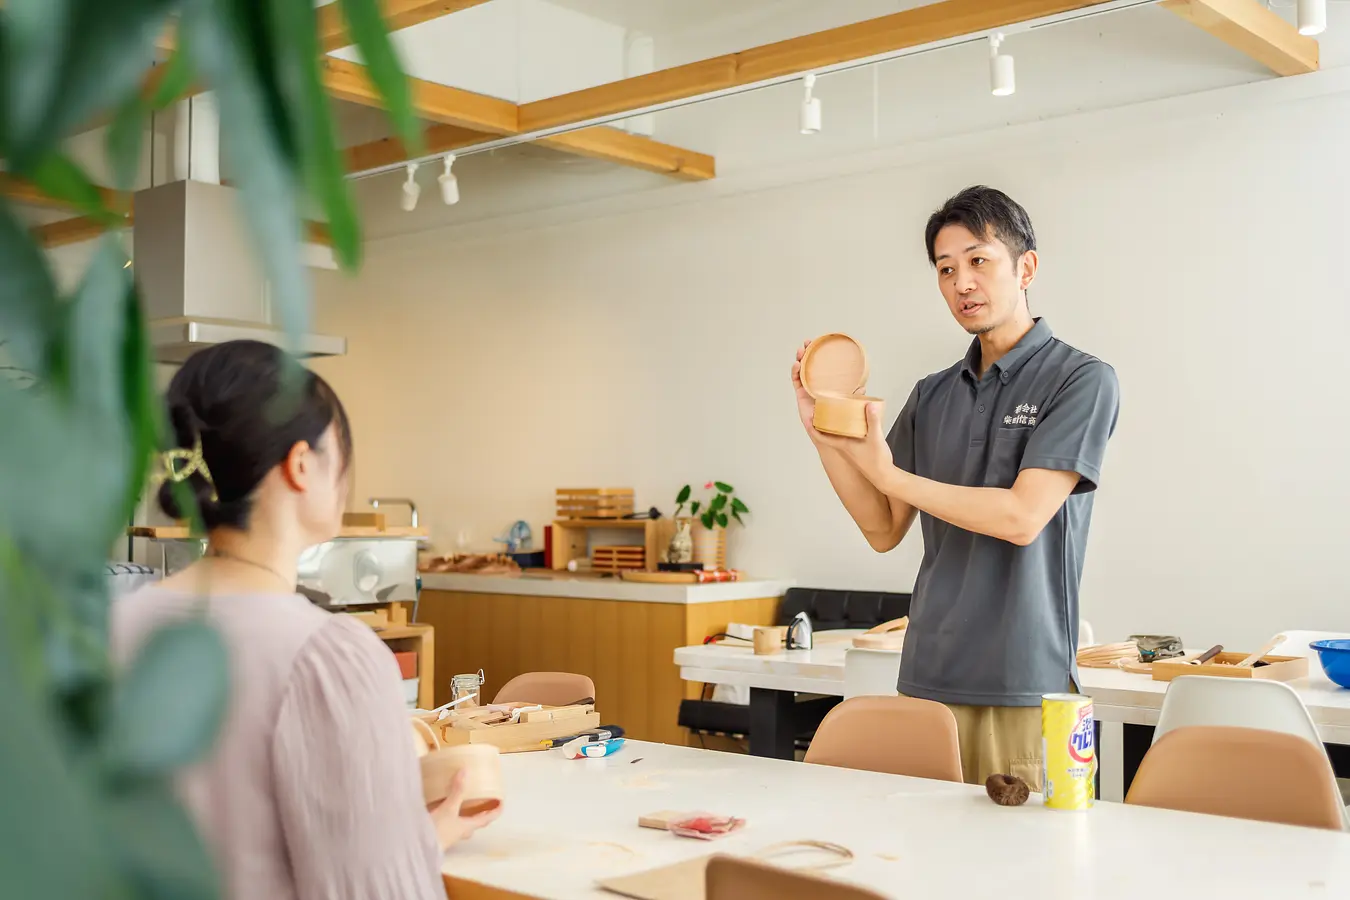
{"points": [[1118, 697], [568, 823]]}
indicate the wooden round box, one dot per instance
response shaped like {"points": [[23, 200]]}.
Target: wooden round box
{"points": [[834, 372], [482, 765]]}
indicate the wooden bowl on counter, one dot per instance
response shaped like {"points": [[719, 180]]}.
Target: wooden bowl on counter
{"points": [[482, 765]]}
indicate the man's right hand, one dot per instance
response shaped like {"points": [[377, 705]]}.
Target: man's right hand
{"points": [[806, 404]]}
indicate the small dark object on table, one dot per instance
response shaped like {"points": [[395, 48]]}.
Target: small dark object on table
{"points": [[679, 567], [1153, 647], [1007, 790]]}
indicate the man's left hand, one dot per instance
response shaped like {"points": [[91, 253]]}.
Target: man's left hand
{"points": [[871, 454]]}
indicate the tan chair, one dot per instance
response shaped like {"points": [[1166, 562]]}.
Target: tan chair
{"points": [[732, 878], [1243, 773], [546, 689], [897, 735]]}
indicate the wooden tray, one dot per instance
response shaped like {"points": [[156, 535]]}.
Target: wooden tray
{"points": [[534, 727], [659, 577], [1277, 668]]}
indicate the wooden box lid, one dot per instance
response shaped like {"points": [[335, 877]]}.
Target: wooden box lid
{"points": [[834, 365]]}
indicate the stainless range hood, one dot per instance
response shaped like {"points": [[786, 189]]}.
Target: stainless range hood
{"points": [[199, 279]]}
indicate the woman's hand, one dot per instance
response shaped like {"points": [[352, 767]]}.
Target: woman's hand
{"points": [[451, 827]]}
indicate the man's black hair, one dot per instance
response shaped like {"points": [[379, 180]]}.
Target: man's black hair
{"points": [[984, 212]]}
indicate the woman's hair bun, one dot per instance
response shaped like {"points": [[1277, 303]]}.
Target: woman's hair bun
{"points": [[238, 402]]}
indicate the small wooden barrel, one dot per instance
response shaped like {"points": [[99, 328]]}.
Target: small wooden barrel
{"points": [[482, 765], [845, 416]]}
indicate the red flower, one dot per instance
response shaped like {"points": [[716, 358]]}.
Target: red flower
{"points": [[708, 486]]}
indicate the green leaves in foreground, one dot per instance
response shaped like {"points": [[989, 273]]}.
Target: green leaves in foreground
{"points": [[169, 704]]}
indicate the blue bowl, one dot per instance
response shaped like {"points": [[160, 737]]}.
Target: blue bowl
{"points": [[1335, 657]]}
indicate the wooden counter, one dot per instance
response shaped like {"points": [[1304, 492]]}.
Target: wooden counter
{"points": [[625, 645]]}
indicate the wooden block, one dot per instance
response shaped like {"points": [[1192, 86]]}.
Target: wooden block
{"points": [[364, 520], [661, 820], [555, 714]]}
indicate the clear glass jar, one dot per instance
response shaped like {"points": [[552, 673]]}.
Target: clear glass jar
{"points": [[465, 686]]}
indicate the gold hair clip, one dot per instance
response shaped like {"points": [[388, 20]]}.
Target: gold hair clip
{"points": [[193, 463]]}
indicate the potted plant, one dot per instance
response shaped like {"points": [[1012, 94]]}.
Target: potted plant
{"points": [[708, 544]]}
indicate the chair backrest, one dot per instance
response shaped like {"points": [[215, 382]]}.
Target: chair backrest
{"points": [[870, 673], [1243, 773], [546, 689], [734, 878], [897, 735], [1238, 702], [1086, 637]]}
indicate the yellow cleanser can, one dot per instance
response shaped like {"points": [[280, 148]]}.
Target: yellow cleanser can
{"points": [[1069, 752]]}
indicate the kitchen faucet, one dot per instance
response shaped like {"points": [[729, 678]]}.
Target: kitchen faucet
{"points": [[401, 501]]}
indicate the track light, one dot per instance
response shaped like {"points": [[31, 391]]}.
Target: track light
{"points": [[449, 183], [1002, 74], [411, 190], [1312, 16], [810, 116]]}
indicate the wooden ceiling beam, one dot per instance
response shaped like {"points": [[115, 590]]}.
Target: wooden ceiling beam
{"points": [[398, 14], [434, 102], [635, 151], [1259, 32], [464, 118], [21, 190], [860, 40], [73, 231]]}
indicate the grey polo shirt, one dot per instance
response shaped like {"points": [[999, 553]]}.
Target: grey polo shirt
{"points": [[992, 623]]}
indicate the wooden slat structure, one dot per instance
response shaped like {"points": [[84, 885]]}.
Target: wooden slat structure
{"points": [[1255, 30], [1244, 24]]}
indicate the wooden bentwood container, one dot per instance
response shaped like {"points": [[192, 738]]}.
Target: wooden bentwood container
{"points": [[834, 372]]}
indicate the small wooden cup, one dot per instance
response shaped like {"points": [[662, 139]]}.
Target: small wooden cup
{"points": [[846, 416], [482, 765], [768, 641]]}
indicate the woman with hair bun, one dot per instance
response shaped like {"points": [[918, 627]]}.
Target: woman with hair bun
{"points": [[313, 789]]}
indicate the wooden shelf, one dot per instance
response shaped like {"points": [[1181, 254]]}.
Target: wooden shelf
{"points": [[571, 538]]}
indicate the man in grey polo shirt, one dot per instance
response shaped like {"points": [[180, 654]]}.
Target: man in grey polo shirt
{"points": [[999, 456]]}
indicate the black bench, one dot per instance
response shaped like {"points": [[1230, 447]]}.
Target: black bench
{"points": [[779, 722]]}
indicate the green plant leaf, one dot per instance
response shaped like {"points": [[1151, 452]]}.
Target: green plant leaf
{"points": [[723, 487], [367, 29], [168, 706], [103, 49], [695, 507], [32, 56], [122, 143], [736, 514], [707, 519], [144, 409], [57, 175], [683, 496], [718, 502], [176, 80], [323, 162], [259, 141], [73, 464], [158, 844], [57, 846], [722, 519], [738, 506], [29, 310], [93, 333]]}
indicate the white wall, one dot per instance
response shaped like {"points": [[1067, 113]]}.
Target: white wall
{"points": [[1194, 243]]}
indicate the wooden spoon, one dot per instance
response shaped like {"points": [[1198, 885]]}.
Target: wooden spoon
{"points": [[1256, 657]]}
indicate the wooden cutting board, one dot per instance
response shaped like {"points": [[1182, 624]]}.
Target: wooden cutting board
{"points": [[640, 575]]}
